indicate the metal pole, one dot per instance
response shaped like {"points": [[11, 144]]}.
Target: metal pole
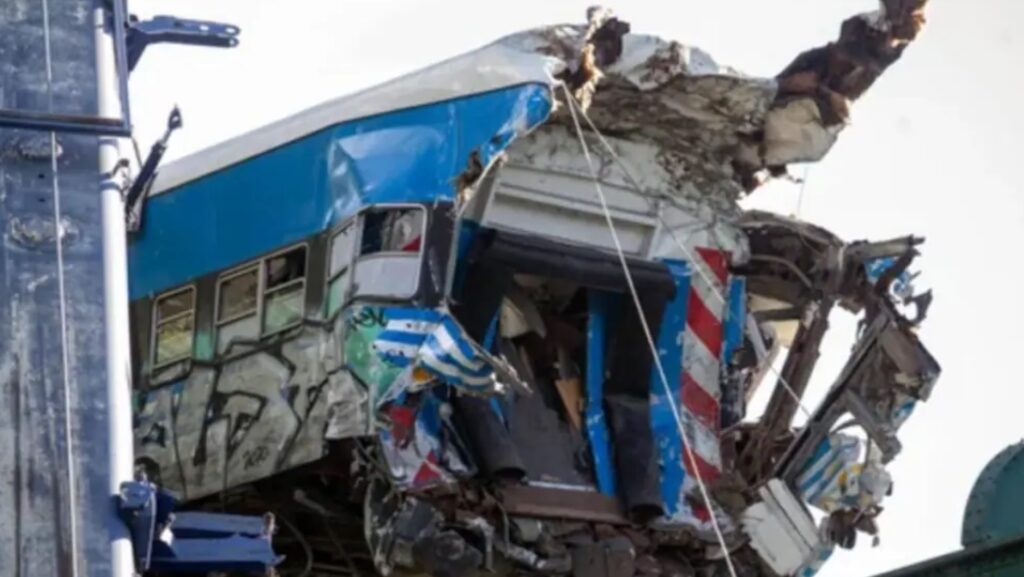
{"points": [[115, 282]]}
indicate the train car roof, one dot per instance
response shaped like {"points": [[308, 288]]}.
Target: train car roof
{"points": [[490, 68]]}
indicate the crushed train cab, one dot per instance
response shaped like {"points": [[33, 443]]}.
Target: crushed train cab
{"points": [[446, 325]]}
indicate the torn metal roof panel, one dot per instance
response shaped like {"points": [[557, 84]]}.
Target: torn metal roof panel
{"points": [[716, 128]]}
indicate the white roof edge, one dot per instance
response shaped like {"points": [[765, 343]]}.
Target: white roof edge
{"points": [[492, 67]]}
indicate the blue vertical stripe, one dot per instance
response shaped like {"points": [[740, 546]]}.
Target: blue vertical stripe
{"points": [[599, 304], [663, 422], [732, 339], [490, 339]]}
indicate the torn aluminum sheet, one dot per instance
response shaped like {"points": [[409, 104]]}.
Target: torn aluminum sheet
{"points": [[718, 131], [430, 346], [889, 370], [434, 341], [839, 476], [417, 444], [780, 529]]}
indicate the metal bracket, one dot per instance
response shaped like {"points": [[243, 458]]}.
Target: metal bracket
{"points": [[135, 199], [199, 543], [177, 31], [145, 509]]}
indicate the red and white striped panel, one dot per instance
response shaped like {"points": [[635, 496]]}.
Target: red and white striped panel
{"points": [[702, 353]]}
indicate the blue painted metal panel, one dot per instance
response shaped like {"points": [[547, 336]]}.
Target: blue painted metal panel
{"points": [[489, 345], [600, 304], [663, 421], [56, 504], [466, 233], [735, 323], [301, 188], [202, 542], [735, 317]]}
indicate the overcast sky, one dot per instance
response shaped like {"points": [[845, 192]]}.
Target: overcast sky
{"points": [[932, 151]]}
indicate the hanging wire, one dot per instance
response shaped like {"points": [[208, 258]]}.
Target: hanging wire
{"points": [[307, 550], [647, 334], [803, 187], [62, 305], [696, 262]]}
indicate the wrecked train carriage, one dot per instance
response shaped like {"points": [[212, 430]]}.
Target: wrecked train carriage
{"points": [[360, 318]]}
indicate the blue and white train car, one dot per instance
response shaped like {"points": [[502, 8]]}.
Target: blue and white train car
{"points": [[360, 271]]}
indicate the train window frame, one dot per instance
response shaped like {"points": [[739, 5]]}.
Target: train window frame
{"points": [[346, 267], [264, 290], [358, 220], [158, 322], [248, 268], [259, 267], [390, 208]]}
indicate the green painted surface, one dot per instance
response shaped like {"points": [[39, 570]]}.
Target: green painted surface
{"points": [[203, 349], [364, 324], [995, 509], [993, 529]]}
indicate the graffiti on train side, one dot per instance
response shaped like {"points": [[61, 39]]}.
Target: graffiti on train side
{"points": [[251, 416]]}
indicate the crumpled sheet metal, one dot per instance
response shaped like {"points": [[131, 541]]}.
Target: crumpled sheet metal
{"points": [[434, 342], [779, 529], [410, 359], [719, 130], [837, 477], [413, 444], [674, 97], [549, 164]]}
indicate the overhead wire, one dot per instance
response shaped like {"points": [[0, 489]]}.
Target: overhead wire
{"points": [[694, 261], [62, 305], [687, 445], [803, 187]]}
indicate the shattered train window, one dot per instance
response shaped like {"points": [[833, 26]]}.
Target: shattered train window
{"points": [[284, 295], [174, 320], [392, 230]]}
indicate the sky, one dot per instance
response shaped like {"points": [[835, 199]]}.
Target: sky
{"points": [[931, 151]]}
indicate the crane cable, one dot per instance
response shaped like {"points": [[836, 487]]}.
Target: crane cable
{"points": [[62, 310], [696, 262], [573, 107]]}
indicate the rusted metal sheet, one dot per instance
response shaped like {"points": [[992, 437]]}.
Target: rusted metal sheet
{"points": [[552, 503]]}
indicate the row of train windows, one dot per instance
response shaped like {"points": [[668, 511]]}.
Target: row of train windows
{"points": [[268, 296]]}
